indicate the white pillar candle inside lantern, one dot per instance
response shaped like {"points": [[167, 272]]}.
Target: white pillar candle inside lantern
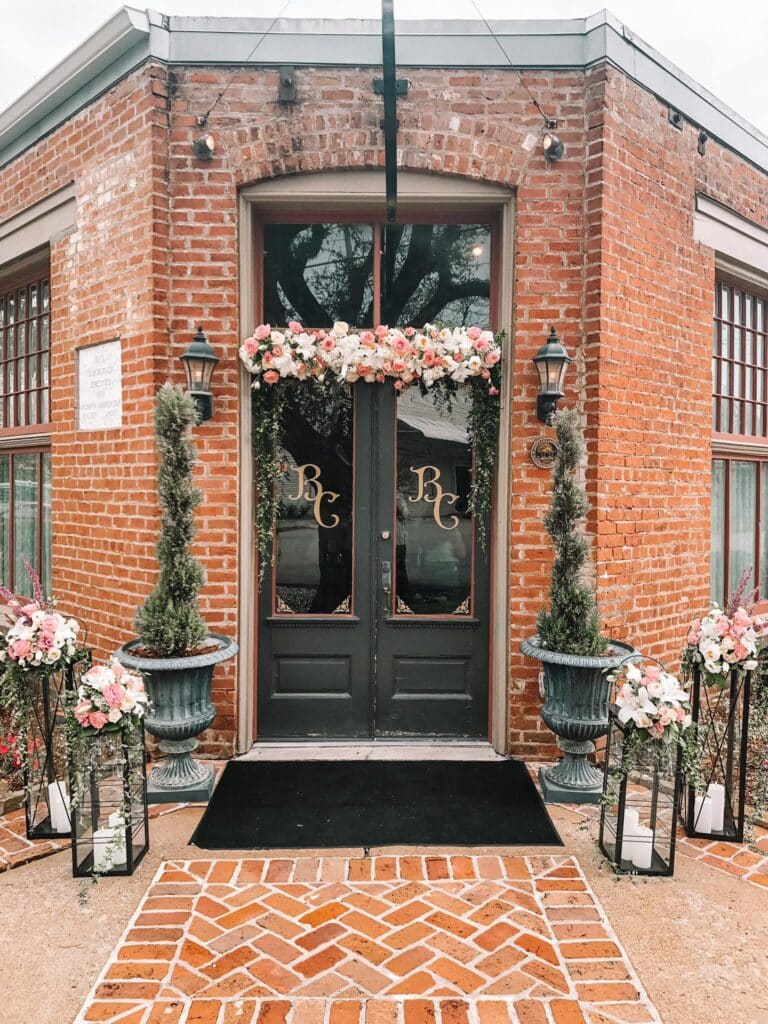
{"points": [[109, 849], [58, 807], [629, 835], [642, 848], [702, 814], [716, 794]]}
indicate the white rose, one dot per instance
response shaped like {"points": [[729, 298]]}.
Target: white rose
{"points": [[340, 328], [114, 714]]}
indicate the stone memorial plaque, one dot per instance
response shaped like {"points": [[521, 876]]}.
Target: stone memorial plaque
{"points": [[100, 387]]}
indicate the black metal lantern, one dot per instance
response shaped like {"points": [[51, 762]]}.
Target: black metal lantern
{"points": [[551, 362], [108, 782], [721, 716], [638, 818], [44, 747], [199, 363]]}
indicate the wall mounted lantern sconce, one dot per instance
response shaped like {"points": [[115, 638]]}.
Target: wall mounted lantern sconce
{"points": [[553, 146], [204, 147], [551, 362], [199, 363]]}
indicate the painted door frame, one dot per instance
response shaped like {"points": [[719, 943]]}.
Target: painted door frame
{"points": [[351, 190]]}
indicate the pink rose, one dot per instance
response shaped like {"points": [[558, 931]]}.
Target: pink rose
{"points": [[409, 332], [49, 623], [692, 636], [398, 366], [474, 333], [367, 339], [457, 357], [429, 357], [82, 710], [19, 649], [493, 357], [399, 385], [271, 377], [45, 641], [295, 326], [401, 346], [114, 694], [481, 345], [97, 719], [30, 609], [329, 345], [277, 350], [485, 374], [381, 331], [262, 331], [741, 652], [679, 715], [723, 625], [362, 369], [493, 391], [387, 366], [251, 346]]}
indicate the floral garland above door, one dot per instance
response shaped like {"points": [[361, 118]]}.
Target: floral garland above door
{"points": [[439, 360]]}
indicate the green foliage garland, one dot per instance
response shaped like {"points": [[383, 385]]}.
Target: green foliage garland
{"points": [[170, 623], [572, 623]]}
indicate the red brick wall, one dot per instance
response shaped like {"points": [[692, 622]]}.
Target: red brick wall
{"points": [[603, 249]]}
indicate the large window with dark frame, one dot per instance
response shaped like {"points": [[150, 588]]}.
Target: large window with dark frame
{"points": [[739, 418], [25, 461]]}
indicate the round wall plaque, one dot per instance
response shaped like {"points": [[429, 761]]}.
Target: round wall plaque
{"points": [[544, 452]]}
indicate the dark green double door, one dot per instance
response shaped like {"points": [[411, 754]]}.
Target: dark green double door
{"points": [[374, 619]]}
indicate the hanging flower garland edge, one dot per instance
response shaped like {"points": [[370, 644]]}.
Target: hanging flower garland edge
{"points": [[436, 359]]}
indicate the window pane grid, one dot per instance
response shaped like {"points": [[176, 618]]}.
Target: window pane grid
{"points": [[739, 386], [25, 518], [25, 355]]}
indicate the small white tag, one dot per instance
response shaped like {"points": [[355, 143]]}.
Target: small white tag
{"points": [[529, 142]]}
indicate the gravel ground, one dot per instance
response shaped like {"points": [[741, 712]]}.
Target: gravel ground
{"points": [[699, 941]]}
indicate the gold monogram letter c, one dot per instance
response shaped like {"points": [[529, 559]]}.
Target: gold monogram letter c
{"points": [[437, 497], [309, 482]]}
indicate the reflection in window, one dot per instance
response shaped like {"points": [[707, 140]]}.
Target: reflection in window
{"points": [[437, 273], [434, 525], [313, 565], [25, 519], [717, 573], [318, 273]]}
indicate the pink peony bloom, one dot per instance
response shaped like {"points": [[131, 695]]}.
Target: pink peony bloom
{"points": [[271, 377], [97, 719], [30, 609], [474, 333], [19, 649], [295, 326], [401, 346], [114, 695], [262, 332], [251, 346], [46, 641]]}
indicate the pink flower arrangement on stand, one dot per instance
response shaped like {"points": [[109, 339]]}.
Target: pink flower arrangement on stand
{"points": [[723, 644], [110, 697]]}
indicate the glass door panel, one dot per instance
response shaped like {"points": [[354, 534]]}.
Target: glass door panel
{"points": [[315, 525], [433, 526]]}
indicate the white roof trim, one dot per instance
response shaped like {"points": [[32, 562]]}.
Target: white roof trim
{"points": [[131, 37], [730, 234]]}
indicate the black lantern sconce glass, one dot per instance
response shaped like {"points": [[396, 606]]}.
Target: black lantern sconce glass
{"points": [[551, 362], [199, 363], [553, 146]]}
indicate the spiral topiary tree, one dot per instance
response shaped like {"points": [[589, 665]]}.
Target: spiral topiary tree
{"points": [[170, 624], [571, 625]]}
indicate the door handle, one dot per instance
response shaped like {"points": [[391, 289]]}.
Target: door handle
{"points": [[386, 577]]}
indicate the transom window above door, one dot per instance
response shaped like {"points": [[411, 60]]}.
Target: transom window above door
{"points": [[367, 273]]}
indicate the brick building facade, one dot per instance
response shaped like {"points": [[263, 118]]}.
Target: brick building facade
{"points": [[622, 243]]}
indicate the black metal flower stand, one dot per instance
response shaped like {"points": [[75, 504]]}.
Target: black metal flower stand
{"points": [[641, 795], [721, 716], [110, 827], [44, 749]]}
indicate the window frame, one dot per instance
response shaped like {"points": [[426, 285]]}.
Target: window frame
{"points": [[37, 273], [731, 447], [11, 452]]}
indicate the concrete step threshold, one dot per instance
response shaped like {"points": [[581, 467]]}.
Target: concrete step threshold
{"points": [[373, 750]]}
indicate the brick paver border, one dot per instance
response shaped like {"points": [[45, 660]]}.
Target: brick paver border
{"points": [[424, 939]]}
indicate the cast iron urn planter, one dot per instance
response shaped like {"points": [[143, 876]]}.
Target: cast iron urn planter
{"points": [[180, 691], [577, 689]]}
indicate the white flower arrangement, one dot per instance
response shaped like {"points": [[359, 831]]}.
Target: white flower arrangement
{"points": [[39, 638], [650, 699], [408, 355], [110, 696], [723, 644]]}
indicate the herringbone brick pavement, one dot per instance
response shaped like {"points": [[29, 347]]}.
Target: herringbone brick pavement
{"points": [[383, 940]]}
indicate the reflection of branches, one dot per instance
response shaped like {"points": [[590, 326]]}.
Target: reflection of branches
{"points": [[322, 272]]}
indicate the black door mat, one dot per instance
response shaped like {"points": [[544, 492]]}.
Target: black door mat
{"points": [[325, 804]]}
